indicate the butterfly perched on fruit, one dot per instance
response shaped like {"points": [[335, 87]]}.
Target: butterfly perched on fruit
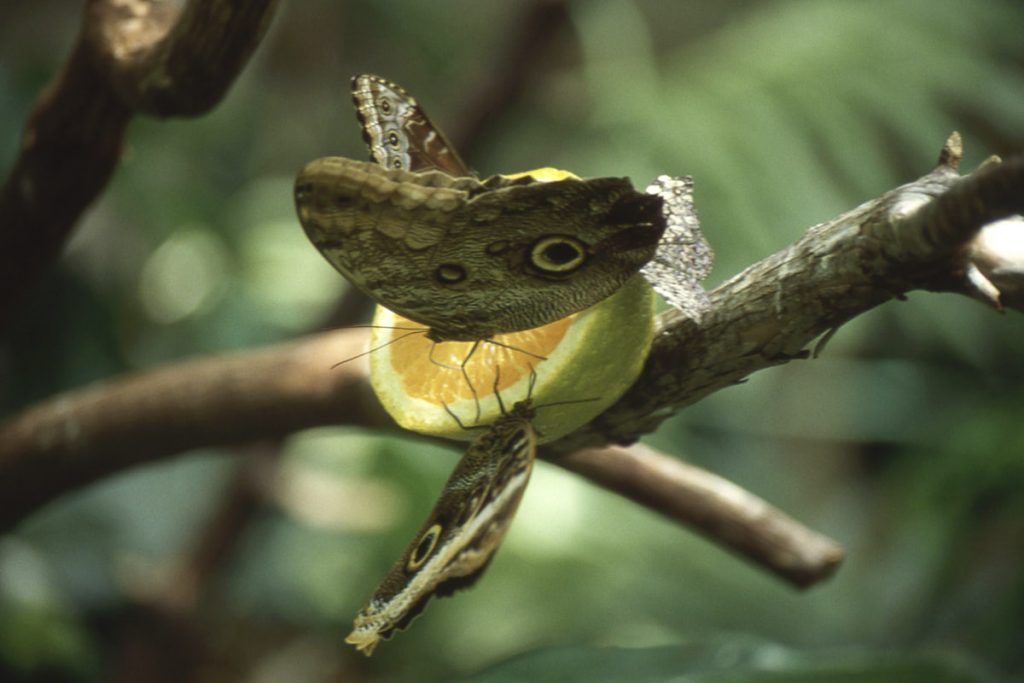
{"points": [[468, 258], [399, 134]]}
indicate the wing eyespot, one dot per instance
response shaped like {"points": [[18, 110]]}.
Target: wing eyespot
{"points": [[425, 547], [450, 274], [558, 254]]}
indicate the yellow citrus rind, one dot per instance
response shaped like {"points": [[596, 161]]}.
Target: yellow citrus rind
{"points": [[599, 355]]}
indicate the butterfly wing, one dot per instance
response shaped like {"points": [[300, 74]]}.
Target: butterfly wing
{"points": [[464, 530], [684, 257], [472, 259], [398, 132]]}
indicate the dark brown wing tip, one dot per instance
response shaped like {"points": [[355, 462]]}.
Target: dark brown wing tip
{"points": [[637, 208]]}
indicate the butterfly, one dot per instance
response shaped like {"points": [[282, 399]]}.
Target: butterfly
{"points": [[457, 542], [398, 131], [401, 135], [468, 258]]}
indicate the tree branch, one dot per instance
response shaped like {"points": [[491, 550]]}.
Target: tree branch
{"points": [[768, 314], [717, 508], [764, 316], [70, 440], [165, 62], [131, 56]]}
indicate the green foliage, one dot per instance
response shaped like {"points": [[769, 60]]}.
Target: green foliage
{"points": [[728, 659], [903, 441]]}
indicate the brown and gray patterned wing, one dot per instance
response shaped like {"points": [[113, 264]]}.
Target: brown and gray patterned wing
{"points": [[464, 530], [398, 131]]}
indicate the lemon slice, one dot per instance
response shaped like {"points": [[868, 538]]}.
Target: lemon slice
{"points": [[588, 359]]}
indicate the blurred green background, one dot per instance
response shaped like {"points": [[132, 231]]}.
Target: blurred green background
{"points": [[904, 440]]}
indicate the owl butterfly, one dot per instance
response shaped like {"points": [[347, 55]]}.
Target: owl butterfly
{"points": [[400, 135], [398, 132], [469, 258], [465, 528]]}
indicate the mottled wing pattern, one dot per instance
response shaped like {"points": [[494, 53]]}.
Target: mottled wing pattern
{"points": [[398, 132], [684, 257], [462, 533], [469, 258]]}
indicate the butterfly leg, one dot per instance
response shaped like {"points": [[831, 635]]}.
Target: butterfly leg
{"points": [[469, 382], [515, 348], [437, 362]]}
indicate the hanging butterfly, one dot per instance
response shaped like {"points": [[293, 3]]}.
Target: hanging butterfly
{"points": [[462, 533], [400, 135]]}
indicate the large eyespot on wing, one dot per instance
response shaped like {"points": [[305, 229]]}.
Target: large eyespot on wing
{"points": [[557, 255], [425, 547]]}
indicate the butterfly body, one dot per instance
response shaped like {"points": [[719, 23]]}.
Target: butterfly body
{"points": [[472, 258], [462, 533]]}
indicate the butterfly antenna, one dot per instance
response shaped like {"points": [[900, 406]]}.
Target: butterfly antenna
{"points": [[377, 348], [436, 362], [568, 402], [381, 327]]}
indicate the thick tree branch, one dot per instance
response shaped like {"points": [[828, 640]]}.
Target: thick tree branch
{"points": [[768, 314], [131, 56], [73, 439], [530, 45], [763, 317], [165, 63]]}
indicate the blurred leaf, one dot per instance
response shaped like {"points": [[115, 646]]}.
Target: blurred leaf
{"points": [[728, 660]]}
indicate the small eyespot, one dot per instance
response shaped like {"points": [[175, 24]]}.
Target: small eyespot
{"points": [[450, 273], [495, 248], [393, 140], [385, 106], [396, 163], [558, 255], [424, 548]]}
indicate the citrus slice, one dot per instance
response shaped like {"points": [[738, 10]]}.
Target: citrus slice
{"points": [[588, 360]]}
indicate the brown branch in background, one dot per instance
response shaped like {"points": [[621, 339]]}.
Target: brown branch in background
{"points": [[68, 441], [715, 507], [163, 63], [218, 536], [72, 143], [541, 23], [130, 56]]}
